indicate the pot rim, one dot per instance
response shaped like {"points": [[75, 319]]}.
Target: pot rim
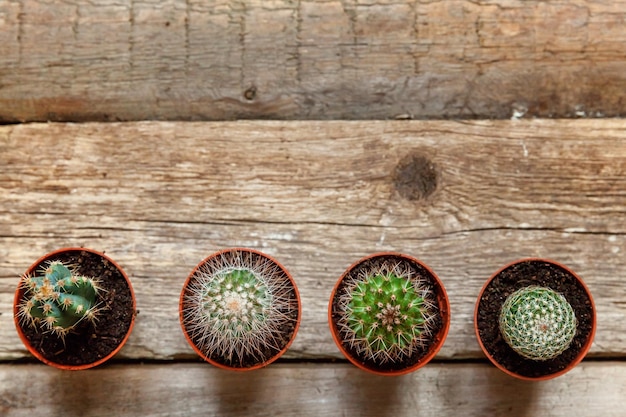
{"points": [[444, 309], [585, 348], [20, 291], [221, 365]]}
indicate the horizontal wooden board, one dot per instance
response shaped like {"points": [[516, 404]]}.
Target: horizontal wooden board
{"points": [[189, 390], [158, 197], [310, 59]]}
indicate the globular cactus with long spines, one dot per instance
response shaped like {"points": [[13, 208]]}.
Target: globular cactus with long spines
{"points": [[237, 308], [387, 313], [237, 301], [537, 322], [58, 299]]}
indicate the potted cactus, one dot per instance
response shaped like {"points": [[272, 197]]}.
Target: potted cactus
{"points": [[74, 308], [389, 314], [240, 309], [535, 319]]}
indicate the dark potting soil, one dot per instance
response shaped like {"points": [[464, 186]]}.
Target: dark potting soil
{"points": [[88, 343], [279, 340], [532, 272], [418, 353]]}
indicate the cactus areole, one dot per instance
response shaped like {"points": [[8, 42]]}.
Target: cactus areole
{"points": [[535, 319], [76, 306], [240, 309], [388, 314]]}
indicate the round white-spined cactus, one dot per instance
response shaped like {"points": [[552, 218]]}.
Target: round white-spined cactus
{"points": [[236, 303], [239, 308], [538, 323]]}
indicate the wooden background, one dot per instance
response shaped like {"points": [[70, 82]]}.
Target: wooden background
{"points": [[310, 59], [158, 196]]}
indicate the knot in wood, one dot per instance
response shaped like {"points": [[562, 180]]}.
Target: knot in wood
{"points": [[416, 177]]}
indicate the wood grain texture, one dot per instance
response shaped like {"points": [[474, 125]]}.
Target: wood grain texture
{"points": [[287, 59], [188, 390], [158, 197]]}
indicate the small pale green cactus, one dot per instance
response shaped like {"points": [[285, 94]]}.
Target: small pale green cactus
{"points": [[236, 302], [238, 309], [59, 299], [387, 314], [537, 322]]}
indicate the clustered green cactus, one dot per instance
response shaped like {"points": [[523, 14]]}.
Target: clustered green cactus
{"points": [[59, 299], [235, 310], [387, 313], [537, 323]]}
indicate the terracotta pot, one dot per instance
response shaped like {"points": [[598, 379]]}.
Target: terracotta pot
{"points": [[53, 350], [195, 319], [419, 358], [490, 339]]}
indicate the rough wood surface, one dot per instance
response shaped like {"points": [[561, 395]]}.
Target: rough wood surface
{"points": [[187, 390], [300, 59], [160, 196]]}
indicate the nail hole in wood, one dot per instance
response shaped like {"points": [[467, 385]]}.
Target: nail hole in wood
{"points": [[250, 93]]}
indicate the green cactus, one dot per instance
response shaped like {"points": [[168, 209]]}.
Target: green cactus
{"points": [[387, 314], [59, 299], [236, 302], [537, 323], [236, 309]]}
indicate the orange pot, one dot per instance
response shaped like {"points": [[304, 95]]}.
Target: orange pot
{"points": [[438, 339], [586, 345], [249, 258], [55, 360]]}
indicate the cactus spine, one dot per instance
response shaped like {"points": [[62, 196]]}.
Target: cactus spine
{"points": [[537, 323], [237, 307], [59, 299], [387, 312]]}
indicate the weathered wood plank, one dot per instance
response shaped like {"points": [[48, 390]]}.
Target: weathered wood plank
{"points": [[307, 390], [160, 196], [310, 59]]}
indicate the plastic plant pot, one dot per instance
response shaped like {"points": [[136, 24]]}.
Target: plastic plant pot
{"points": [[535, 319], [389, 314], [74, 308], [240, 309]]}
